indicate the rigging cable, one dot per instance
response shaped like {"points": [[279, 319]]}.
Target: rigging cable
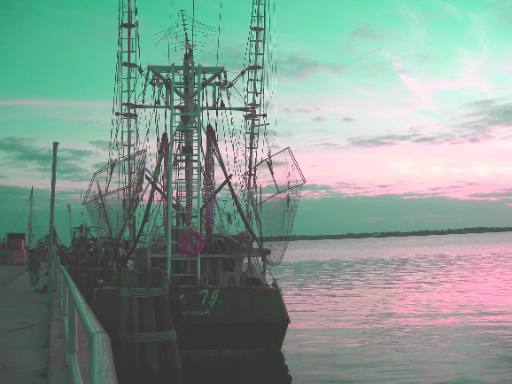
{"points": [[218, 35]]}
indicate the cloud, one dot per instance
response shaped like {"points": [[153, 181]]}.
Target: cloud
{"points": [[24, 152], [387, 140], [495, 196], [100, 144], [97, 112], [300, 66], [317, 187], [416, 87], [487, 114], [423, 89], [53, 103], [337, 189], [305, 111], [348, 189], [484, 103], [99, 165], [482, 120], [364, 32], [326, 145]]}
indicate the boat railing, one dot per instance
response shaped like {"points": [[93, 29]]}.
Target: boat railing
{"points": [[96, 366]]}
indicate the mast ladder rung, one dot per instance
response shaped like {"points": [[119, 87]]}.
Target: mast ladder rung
{"points": [[128, 25], [129, 64], [126, 115], [256, 116], [181, 274]]}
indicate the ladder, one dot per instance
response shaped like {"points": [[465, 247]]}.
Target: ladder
{"points": [[127, 62], [255, 118], [186, 169]]}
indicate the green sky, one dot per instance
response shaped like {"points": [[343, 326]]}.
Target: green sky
{"points": [[399, 111]]}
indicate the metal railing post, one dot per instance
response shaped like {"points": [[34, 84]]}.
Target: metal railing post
{"points": [[72, 326], [65, 321], [60, 290], [73, 341]]}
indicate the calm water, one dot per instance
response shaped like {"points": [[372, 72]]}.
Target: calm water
{"points": [[434, 309]]}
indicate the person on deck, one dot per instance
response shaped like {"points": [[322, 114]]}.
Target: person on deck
{"points": [[33, 267]]}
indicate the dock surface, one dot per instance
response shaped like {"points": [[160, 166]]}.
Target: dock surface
{"points": [[31, 349], [24, 329]]}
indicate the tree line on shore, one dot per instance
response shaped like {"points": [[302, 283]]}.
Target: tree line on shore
{"points": [[458, 231]]}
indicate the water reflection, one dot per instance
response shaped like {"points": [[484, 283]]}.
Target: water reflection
{"points": [[418, 286], [258, 369], [423, 310], [239, 368]]}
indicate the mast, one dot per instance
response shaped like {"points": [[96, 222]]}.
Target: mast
{"points": [[256, 117], [188, 123], [30, 218], [119, 182], [125, 103]]}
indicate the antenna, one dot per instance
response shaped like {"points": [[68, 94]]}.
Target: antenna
{"points": [[185, 32]]}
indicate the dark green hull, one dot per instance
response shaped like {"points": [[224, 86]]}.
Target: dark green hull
{"points": [[215, 318]]}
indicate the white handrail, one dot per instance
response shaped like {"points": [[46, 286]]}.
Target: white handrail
{"points": [[74, 312]]}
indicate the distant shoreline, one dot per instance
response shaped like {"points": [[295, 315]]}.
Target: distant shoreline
{"points": [[460, 231]]}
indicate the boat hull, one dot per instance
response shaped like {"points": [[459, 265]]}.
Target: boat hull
{"points": [[216, 318]]}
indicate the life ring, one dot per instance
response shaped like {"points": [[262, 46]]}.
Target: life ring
{"points": [[191, 243]]}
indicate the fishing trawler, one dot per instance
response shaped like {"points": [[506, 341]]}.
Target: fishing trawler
{"points": [[191, 189]]}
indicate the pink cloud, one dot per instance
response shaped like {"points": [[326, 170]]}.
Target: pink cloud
{"points": [[423, 90], [476, 171]]}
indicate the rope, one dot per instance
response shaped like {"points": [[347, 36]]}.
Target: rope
{"points": [[149, 337], [143, 292]]}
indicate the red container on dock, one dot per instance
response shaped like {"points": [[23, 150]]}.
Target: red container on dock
{"points": [[18, 257], [16, 248]]}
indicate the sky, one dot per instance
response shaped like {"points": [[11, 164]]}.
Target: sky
{"points": [[398, 111]]}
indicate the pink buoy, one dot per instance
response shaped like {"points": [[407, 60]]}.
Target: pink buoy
{"points": [[191, 243]]}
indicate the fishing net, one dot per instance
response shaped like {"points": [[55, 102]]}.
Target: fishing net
{"points": [[114, 194], [279, 182]]}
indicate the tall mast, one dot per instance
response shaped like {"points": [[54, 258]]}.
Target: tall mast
{"points": [[30, 213], [256, 117], [127, 72], [188, 123]]}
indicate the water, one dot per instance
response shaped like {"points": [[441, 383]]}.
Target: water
{"points": [[435, 309]]}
